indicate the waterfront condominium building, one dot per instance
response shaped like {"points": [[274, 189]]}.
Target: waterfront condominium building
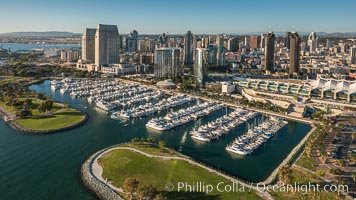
{"points": [[200, 64], [312, 42], [212, 55], [353, 55], [269, 51], [88, 45], [107, 45], [220, 56], [255, 41], [188, 48], [233, 44], [287, 40], [131, 41], [167, 63], [294, 59]]}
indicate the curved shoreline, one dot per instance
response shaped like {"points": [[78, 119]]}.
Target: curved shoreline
{"points": [[94, 183], [13, 124], [91, 173]]}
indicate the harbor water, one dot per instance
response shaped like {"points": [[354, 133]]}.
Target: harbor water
{"points": [[48, 166]]}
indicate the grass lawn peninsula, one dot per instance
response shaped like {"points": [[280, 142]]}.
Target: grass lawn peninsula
{"points": [[35, 112], [121, 164]]}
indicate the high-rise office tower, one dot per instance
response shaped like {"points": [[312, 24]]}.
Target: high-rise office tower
{"points": [[188, 48], [295, 47], [247, 41], [88, 44], [263, 40], [269, 51], [353, 55], [167, 63], [205, 42], [287, 40], [255, 41], [162, 40], [107, 45], [312, 42], [219, 40], [233, 44], [329, 43], [200, 64], [212, 55], [131, 41], [220, 56]]}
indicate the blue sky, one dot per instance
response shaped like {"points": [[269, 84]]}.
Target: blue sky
{"points": [[178, 16]]}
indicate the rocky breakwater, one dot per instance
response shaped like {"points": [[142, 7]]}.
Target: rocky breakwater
{"points": [[93, 183]]}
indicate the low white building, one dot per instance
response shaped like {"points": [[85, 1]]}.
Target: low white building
{"points": [[120, 68], [228, 88]]}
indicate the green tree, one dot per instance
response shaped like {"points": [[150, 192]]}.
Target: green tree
{"points": [[145, 192], [162, 145], [49, 105], [130, 187], [40, 96], [24, 113], [27, 103], [42, 107], [135, 140], [150, 140], [284, 174], [160, 196], [66, 105]]}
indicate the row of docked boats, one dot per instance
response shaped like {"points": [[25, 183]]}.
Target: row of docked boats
{"points": [[107, 95], [255, 137], [221, 126], [151, 108], [183, 116]]}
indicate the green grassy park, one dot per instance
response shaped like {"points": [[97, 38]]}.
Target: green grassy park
{"points": [[121, 164], [34, 111]]}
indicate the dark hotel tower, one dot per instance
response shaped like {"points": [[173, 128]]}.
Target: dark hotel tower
{"points": [[287, 41], [294, 53], [269, 52]]}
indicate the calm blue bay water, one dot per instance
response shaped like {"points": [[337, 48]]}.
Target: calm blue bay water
{"points": [[26, 47], [48, 166]]}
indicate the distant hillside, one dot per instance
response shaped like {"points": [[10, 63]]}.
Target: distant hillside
{"points": [[322, 34], [40, 34]]}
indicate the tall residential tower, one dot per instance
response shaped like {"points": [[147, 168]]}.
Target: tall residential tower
{"points": [[200, 64], [295, 48], [167, 63], [188, 48], [269, 52], [88, 45]]}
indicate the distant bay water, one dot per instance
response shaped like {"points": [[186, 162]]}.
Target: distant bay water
{"points": [[29, 46]]}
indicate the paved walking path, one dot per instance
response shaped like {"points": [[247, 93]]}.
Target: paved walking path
{"points": [[98, 170]]}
